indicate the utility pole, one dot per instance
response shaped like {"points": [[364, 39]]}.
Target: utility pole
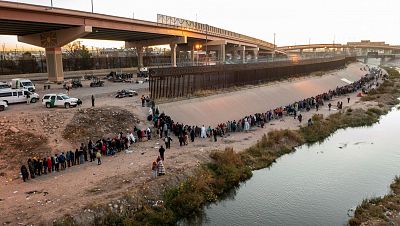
{"points": [[92, 6], [51, 4]]}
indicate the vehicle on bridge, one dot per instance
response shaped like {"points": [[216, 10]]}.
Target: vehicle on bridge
{"points": [[11, 96], [3, 105], [60, 100]]}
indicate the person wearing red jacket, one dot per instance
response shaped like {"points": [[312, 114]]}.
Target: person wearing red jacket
{"points": [[49, 164]]}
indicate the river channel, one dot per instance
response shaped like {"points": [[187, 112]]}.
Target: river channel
{"points": [[317, 184]]}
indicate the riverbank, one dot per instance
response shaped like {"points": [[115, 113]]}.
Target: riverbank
{"points": [[226, 169], [382, 210]]}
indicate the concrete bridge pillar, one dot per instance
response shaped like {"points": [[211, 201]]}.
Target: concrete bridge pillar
{"points": [[235, 55], [52, 41], [173, 54], [139, 45], [243, 54], [255, 52], [139, 52], [222, 54], [54, 64], [192, 56]]}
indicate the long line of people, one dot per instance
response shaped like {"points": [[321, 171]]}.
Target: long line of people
{"points": [[165, 127]]}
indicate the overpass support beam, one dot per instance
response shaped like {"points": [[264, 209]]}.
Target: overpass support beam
{"points": [[192, 56], [222, 54], [139, 52], [52, 41], [54, 64], [254, 52], [243, 52], [156, 42], [173, 54]]}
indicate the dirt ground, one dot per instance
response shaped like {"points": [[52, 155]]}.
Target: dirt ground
{"points": [[33, 129]]}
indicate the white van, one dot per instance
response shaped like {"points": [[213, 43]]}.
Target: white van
{"points": [[18, 83], [3, 105], [11, 96], [4, 85]]}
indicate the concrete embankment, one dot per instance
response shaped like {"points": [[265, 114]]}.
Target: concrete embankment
{"points": [[232, 106]]}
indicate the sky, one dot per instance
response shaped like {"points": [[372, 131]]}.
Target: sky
{"points": [[293, 21]]}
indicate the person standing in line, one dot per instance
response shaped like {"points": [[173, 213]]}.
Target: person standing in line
{"points": [[154, 170], [25, 174], [142, 98], [98, 156], [161, 150], [160, 167], [300, 117], [348, 100], [93, 99], [192, 134], [329, 106], [49, 164], [167, 141]]}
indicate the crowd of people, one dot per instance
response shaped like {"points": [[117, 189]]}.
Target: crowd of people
{"points": [[165, 128]]}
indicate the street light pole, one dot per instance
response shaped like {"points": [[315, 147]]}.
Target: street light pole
{"points": [[51, 4], [92, 6]]}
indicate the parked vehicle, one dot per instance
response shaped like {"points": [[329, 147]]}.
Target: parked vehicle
{"points": [[3, 105], [143, 72], [126, 93], [11, 96], [96, 82], [19, 83], [119, 77], [60, 100], [74, 83], [4, 85]]}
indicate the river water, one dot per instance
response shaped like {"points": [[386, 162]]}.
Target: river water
{"points": [[318, 184]]}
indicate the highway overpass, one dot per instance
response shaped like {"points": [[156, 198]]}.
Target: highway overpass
{"points": [[356, 48], [52, 28]]}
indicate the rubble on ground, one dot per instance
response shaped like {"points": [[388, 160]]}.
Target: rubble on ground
{"points": [[94, 123]]}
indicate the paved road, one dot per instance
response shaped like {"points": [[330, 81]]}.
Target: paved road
{"points": [[232, 106], [105, 93]]}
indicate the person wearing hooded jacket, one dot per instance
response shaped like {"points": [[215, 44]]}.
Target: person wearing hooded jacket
{"points": [[24, 172], [31, 168]]}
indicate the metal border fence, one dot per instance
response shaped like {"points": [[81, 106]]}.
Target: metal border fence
{"points": [[189, 81]]}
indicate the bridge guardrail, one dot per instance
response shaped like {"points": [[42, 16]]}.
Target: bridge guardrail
{"points": [[207, 29]]}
